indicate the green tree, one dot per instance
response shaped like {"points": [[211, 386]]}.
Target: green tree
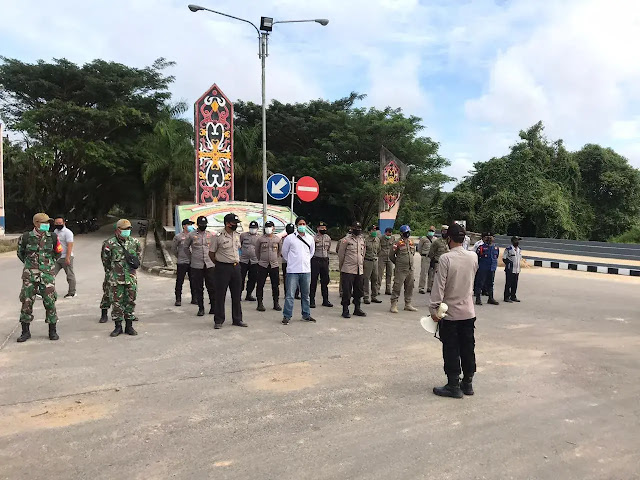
{"points": [[82, 128], [169, 158], [247, 154]]}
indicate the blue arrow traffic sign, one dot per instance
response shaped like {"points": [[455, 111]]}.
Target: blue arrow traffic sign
{"points": [[278, 186]]}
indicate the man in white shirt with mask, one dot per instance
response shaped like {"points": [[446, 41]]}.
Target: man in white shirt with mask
{"points": [[65, 262], [297, 250]]}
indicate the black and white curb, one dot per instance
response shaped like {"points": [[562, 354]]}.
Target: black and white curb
{"points": [[631, 272]]}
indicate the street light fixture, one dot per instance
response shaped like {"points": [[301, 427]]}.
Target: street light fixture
{"points": [[266, 25]]}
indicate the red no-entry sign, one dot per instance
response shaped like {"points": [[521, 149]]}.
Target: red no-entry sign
{"points": [[307, 189]]}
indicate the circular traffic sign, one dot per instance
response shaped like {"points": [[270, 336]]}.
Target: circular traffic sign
{"points": [[278, 186], [307, 189]]}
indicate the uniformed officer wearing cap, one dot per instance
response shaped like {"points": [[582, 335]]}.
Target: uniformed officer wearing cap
{"points": [[183, 256], [320, 266], [384, 264], [371, 251], [402, 255], [202, 268], [248, 259], [38, 250], [351, 260], [488, 254], [438, 248], [224, 251], [268, 250], [512, 258]]}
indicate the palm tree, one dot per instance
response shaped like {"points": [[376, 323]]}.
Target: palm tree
{"points": [[248, 154], [170, 155]]}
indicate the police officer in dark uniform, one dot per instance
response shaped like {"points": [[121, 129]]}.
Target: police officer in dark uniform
{"points": [[488, 254], [248, 259], [227, 274], [320, 266]]}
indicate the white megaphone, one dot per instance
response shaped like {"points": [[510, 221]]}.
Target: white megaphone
{"points": [[427, 322]]}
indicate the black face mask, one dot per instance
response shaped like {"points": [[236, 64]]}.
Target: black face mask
{"points": [[356, 232], [202, 228], [515, 244], [322, 232], [445, 235], [59, 227], [233, 227]]}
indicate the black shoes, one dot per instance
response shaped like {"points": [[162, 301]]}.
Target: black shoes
{"points": [[375, 300], [309, 319], [515, 299], [104, 318], [250, 298], [507, 300], [312, 303], [70, 295], [212, 310], [260, 306], [276, 306], [201, 311], [117, 330], [285, 321], [128, 329], [345, 312], [240, 324], [451, 389], [217, 326], [387, 292], [478, 300], [26, 335], [493, 301], [357, 311], [194, 301], [178, 302], [53, 335], [327, 303], [421, 291], [467, 386], [367, 301]]}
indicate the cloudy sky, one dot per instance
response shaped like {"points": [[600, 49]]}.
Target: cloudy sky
{"points": [[475, 71]]}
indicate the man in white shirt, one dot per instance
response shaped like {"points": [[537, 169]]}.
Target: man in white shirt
{"points": [[65, 262], [454, 286], [297, 250], [512, 259]]}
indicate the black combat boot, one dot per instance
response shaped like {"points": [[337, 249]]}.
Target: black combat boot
{"points": [[451, 389], [178, 301], [250, 298], [104, 318], [128, 329], [260, 306], [26, 335], [276, 305], [53, 335], [493, 301], [357, 311], [327, 303], [478, 300], [201, 310], [467, 386], [507, 300], [345, 311], [118, 330]]}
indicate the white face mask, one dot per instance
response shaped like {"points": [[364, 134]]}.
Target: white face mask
{"points": [[268, 230], [253, 231]]}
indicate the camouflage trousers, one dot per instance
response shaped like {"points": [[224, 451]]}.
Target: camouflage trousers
{"points": [[41, 283], [105, 303], [123, 301]]}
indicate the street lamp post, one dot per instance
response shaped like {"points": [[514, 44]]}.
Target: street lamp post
{"points": [[266, 26]]}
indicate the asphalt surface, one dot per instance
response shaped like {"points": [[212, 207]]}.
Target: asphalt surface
{"points": [[620, 251], [556, 389]]}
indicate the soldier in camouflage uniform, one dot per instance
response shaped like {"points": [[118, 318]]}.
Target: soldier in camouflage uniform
{"points": [[123, 283], [372, 249], [105, 303], [38, 250]]}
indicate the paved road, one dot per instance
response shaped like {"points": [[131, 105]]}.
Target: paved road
{"points": [[620, 251], [556, 392]]}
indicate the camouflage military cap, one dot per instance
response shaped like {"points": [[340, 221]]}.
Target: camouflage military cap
{"points": [[123, 223], [40, 218]]}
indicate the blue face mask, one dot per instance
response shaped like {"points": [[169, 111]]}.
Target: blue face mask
{"points": [[44, 227], [302, 228], [125, 233], [191, 228]]}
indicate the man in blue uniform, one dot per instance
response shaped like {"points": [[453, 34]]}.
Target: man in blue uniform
{"points": [[487, 265]]}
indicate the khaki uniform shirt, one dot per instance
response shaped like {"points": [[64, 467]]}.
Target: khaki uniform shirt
{"points": [[351, 254], [200, 243], [372, 248], [323, 245], [225, 247], [181, 248], [438, 248], [386, 244], [453, 284], [424, 245], [402, 254], [268, 249], [248, 247]]}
